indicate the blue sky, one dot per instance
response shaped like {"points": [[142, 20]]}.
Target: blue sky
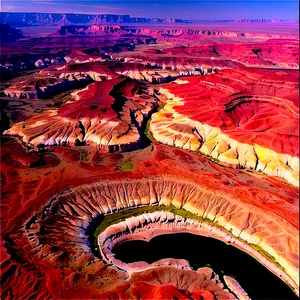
{"points": [[184, 9]]}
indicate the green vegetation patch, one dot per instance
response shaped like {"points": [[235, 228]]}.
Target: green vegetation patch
{"points": [[84, 155], [127, 213], [215, 160], [147, 131], [126, 166], [267, 255]]}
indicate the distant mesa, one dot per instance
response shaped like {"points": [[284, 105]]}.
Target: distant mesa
{"points": [[22, 19], [264, 21], [49, 19], [165, 33]]}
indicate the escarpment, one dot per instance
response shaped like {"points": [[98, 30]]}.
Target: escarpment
{"points": [[108, 114], [73, 211], [149, 225], [251, 125]]}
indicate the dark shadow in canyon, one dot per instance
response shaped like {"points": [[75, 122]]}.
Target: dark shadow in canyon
{"points": [[201, 251]]}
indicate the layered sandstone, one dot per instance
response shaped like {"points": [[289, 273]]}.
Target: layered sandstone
{"points": [[55, 79], [108, 114], [149, 225], [233, 116], [96, 71], [33, 88], [274, 53], [169, 33], [59, 261], [169, 283], [75, 209]]}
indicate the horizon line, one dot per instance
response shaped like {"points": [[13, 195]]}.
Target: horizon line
{"points": [[210, 20]]}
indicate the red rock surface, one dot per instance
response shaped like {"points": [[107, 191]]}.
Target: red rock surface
{"points": [[29, 89], [239, 116], [233, 113], [273, 53], [96, 70], [168, 283], [107, 114], [37, 186]]}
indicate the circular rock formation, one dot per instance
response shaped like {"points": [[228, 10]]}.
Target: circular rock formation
{"points": [[56, 238]]}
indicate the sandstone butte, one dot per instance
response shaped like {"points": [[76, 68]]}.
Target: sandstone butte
{"points": [[54, 258], [243, 118]]}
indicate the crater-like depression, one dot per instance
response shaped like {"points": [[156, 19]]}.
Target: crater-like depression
{"points": [[202, 251]]}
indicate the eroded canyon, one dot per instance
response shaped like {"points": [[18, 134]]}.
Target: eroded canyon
{"points": [[113, 133]]}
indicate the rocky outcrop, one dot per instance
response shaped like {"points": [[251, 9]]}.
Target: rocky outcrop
{"points": [[43, 87], [108, 114], [46, 62], [218, 55], [169, 283], [56, 79], [166, 33], [152, 74], [93, 69], [61, 261], [232, 116]]}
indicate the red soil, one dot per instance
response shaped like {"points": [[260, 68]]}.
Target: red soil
{"points": [[249, 105]]}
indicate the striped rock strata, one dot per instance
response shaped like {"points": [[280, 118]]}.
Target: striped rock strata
{"points": [[72, 212], [242, 124], [107, 114]]}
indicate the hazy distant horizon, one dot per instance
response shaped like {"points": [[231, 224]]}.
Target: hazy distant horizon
{"points": [[140, 16], [187, 10]]}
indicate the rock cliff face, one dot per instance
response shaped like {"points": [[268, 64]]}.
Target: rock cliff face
{"points": [[56, 79], [234, 118], [46, 243], [236, 104], [149, 225], [65, 19], [167, 33], [169, 283], [44, 87], [108, 114]]}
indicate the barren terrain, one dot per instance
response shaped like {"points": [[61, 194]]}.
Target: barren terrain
{"points": [[113, 133]]}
